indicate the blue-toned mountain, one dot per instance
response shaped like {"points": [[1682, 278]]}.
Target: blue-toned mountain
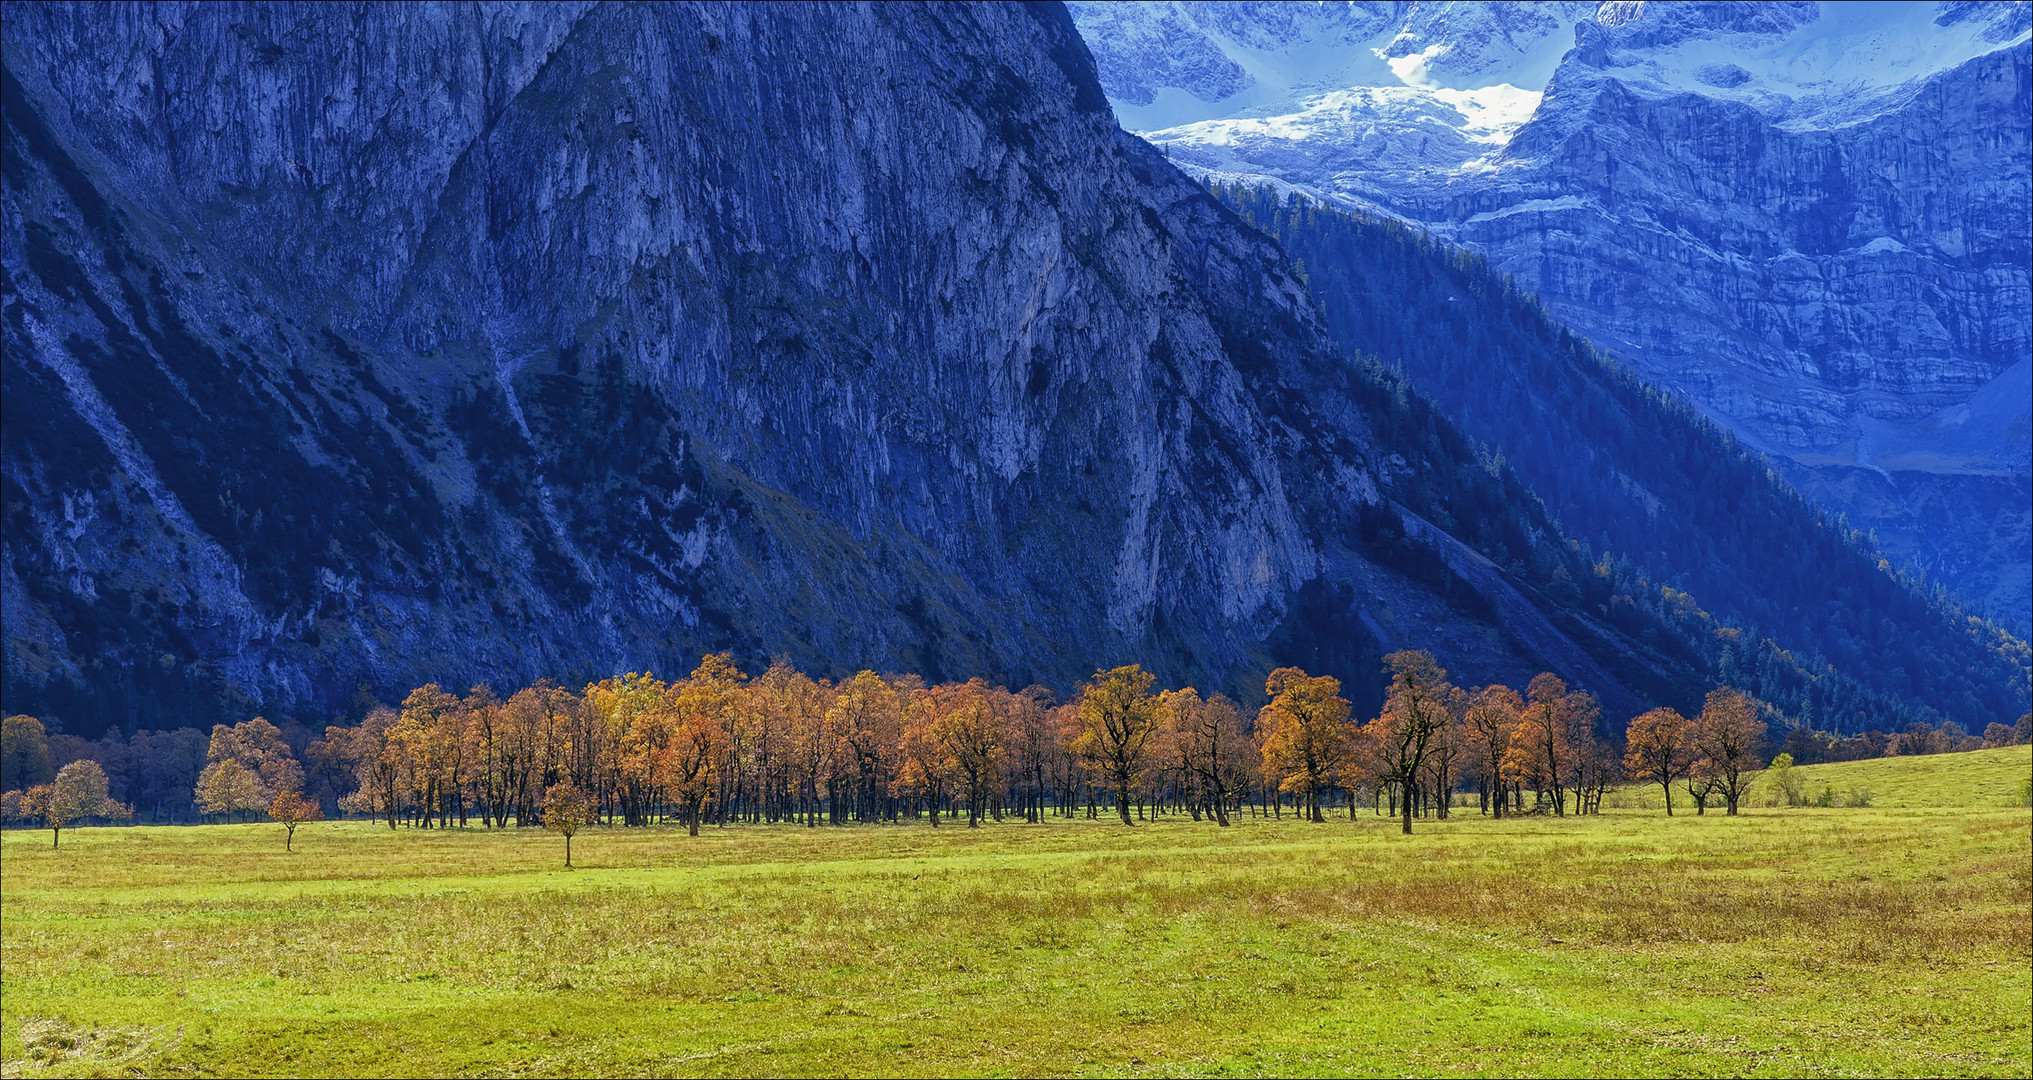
{"points": [[353, 346], [356, 345], [1808, 219]]}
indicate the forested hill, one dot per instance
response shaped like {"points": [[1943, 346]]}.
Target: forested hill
{"points": [[1668, 501]]}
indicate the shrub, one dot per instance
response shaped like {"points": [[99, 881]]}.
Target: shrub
{"points": [[1859, 796]]}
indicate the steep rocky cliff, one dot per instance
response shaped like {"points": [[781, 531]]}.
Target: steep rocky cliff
{"points": [[358, 345], [1810, 219]]}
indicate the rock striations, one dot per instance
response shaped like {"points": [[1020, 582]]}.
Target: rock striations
{"points": [[353, 345]]}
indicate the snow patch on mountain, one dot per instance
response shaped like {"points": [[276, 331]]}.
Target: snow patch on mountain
{"points": [[1852, 62], [1178, 71]]}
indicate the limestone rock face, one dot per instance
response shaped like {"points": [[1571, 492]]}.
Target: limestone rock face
{"points": [[1809, 219], [354, 345]]}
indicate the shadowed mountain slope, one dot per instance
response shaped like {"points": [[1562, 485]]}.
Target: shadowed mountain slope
{"points": [[353, 346]]}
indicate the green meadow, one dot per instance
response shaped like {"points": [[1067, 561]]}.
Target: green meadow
{"points": [[1893, 939]]}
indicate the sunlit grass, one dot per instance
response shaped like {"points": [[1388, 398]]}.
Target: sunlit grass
{"points": [[1872, 941]]}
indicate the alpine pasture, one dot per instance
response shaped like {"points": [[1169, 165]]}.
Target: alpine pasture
{"points": [[1889, 939]]}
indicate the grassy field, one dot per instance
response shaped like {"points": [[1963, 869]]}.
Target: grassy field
{"points": [[1890, 940]]}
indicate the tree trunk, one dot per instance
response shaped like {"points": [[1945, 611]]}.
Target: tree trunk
{"points": [[1407, 819]]}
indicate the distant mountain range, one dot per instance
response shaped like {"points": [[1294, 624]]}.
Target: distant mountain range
{"points": [[1809, 219]]}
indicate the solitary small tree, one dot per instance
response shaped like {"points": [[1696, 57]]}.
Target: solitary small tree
{"points": [[566, 811], [291, 810], [78, 792]]}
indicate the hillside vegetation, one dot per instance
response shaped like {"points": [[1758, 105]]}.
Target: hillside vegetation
{"points": [[1680, 516]]}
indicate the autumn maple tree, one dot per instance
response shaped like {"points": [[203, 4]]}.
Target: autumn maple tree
{"points": [[1117, 717], [78, 792], [1306, 734], [702, 704], [1658, 747], [227, 787], [925, 766], [1415, 712], [1205, 737], [567, 810], [1729, 739], [290, 809], [969, 731], [1490, 720], [1554, 729]]}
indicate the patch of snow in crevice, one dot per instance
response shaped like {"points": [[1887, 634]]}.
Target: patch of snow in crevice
{"points": [[1537, 206]]}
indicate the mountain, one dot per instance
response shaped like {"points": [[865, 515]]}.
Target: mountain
{"points": [[1691, 526], [1808, 219], [353, 346]]}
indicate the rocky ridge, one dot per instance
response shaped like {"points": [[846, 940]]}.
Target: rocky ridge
{"points": [[350, 346]]}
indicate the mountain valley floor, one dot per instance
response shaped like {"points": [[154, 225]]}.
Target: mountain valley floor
{"points": [[1893, 939]]}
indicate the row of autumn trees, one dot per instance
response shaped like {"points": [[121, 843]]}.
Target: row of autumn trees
{"points": [[248, 770], [719, 746]]}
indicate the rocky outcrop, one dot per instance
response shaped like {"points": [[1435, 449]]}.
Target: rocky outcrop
{"points": [[358, 345]]}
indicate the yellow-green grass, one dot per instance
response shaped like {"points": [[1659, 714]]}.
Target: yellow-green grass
{"points": [[1877, 941], [1979, 778]]}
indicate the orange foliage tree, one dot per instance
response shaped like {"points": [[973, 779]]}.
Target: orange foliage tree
{"points": [[1490, 720], [1117, 718], [1730, 739], [1554, 747], [290, 809], [1658, 748], [703, 705], [1416, 711], [1307, 738], [567, 810]]}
